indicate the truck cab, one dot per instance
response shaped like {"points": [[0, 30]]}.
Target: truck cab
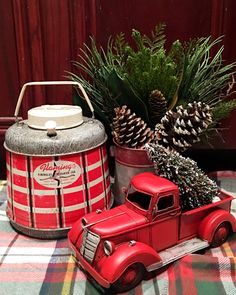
{"points": [[148, 231], [157, 199]]}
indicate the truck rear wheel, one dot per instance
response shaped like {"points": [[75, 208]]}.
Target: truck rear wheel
{"points": [[221, 234], [130, 278]]}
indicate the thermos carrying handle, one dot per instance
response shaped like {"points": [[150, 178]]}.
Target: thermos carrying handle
{"points": [[51, 83]]}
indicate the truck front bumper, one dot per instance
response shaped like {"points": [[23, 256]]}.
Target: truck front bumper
{"points": [[88, 267]]}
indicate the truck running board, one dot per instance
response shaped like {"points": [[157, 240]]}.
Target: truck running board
{"points": [[178, 251]]}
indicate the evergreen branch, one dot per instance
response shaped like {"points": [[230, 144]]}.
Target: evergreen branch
{"points": [[157, 39], [118, 75], [223, 110], [204, 77]]}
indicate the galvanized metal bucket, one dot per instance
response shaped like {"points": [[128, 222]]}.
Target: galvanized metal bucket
{"points": [[57, 168], [128, 162]]}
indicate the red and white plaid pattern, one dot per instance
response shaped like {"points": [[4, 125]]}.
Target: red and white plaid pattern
{"points": [[33, 205], [18, 192], [97, 174]]}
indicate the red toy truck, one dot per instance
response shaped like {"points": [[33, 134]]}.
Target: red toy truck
{"points": [[149, 231]]}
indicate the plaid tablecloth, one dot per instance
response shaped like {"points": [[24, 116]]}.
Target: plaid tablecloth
{"points": [[31, 266]]}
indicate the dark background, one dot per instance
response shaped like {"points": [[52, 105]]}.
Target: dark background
{"points": [[39, 39]]}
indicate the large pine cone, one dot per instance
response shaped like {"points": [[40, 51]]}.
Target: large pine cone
{"points": [[130, 130], [158, 105], [179, 130]]}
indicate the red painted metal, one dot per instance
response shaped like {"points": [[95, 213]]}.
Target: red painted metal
{"points": [[55, 182], [112, 221], [191, 219], [128, 254], [221, 234], [211, 222], [139, 235], [128, 162], [33, 203], [129, 157], [151, 183]]}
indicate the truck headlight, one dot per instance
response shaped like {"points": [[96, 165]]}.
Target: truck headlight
{"points": [[108, 247]]}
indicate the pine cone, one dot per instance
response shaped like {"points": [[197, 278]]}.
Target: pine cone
{"points": [[130, 130], [164, 131], [181, 129], [158, 105]]}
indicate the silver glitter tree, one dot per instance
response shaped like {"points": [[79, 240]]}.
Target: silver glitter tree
{"points": [[196, 188]]}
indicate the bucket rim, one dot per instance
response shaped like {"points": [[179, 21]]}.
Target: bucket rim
{"points": [[128, 148]]}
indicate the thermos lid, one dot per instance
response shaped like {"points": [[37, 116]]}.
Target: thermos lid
{"points": [[55, 116]]}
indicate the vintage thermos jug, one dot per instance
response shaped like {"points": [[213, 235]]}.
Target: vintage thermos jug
{"points": [[57, 167]]}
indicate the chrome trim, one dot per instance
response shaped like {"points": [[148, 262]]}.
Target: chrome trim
{"points": [[89, 245], [132, 243]]}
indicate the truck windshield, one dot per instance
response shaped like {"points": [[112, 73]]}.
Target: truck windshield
{"points": [[139, 199]]}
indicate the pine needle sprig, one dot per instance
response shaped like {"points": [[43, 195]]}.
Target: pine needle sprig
{"points": [[146, 71], [124, 74], [98, 72], [204, 77], [157, 39], [95, 65], [148, 66], [223, 109], [119, 48]]}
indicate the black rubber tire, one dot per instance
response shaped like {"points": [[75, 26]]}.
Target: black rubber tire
{"points": [[129, 279], [220, 235]]}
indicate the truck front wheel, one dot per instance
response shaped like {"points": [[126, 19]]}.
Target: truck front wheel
{"points": [[221, 234], [130, 278]]}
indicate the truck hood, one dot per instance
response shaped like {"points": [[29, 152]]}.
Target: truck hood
{"points": [[114, 221]]}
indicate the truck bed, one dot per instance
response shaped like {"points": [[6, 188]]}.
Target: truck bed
{"points": [[189, 220]]}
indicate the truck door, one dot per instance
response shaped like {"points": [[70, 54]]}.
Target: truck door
{"points": [[164, 228]]}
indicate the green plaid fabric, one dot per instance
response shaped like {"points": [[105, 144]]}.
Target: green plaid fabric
{"points": [[31, 266]]}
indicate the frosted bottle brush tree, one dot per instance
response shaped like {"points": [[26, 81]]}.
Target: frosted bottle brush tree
{"points": [[157, 85], [196, 188]]}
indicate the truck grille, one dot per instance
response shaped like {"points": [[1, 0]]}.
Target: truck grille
{"points": [[89, 245]]}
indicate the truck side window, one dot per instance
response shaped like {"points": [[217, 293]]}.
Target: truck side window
{"points": [[165, 202], [139, 199]]}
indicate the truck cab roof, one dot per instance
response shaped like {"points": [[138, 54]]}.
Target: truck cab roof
{"points": [[151, 183]]}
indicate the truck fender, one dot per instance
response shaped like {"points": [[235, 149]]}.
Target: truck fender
{"points": [[210, 223], [111, 267], [75, 232]]}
